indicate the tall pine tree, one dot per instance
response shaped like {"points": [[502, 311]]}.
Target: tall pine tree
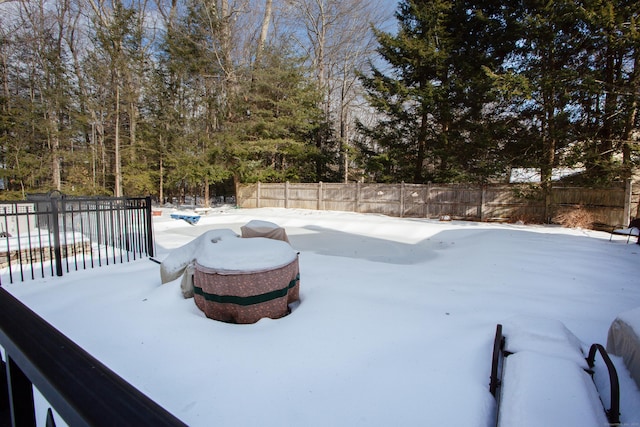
{"points": [[271, 132], [435, 122]]}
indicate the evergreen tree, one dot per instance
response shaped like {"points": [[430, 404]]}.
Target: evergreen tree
{"points": [[197, 82], [608, 91], [436, 123], [114, 70], [271, 133], [551, 42], [37, 104]]}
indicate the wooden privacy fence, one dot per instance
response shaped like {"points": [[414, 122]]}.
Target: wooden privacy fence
{"points": [[609, 206]]}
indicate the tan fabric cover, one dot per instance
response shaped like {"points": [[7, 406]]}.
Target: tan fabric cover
{"points": [[264, 229], [623, 341], [246, 285], [186, 284], [167, 275]]}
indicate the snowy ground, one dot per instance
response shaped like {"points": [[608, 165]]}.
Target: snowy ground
{"points": [[395, 324]]}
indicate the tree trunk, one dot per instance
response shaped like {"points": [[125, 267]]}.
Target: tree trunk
{"points": [[206, 193], [116, 144], [103, 155], [226, 33], [133, 122], [161, 184], [55, 153], [266, 21], [632, 112], [610, 105], [548, 154], [422, 148]]}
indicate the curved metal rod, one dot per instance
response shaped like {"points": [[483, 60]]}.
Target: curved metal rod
{"points": [[613, 413], [495, 360]]}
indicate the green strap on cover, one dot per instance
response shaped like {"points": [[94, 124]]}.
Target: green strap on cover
{"points": [[253, 299]]}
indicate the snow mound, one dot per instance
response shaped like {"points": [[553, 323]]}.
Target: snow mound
{"points": [[243, 256], [540, 390], [544, 382], [545, 336], [176, 262], [261, 225]]}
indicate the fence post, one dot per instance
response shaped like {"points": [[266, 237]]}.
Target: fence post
{"points": [[627, 202], [427, 200], [150, 250], [320, 196], [547, 188], [482, 202], [286, 194], [57, 250], [402, 199], [258, 195], [357, 207]]}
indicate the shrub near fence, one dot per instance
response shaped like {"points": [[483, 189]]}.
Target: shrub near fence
{"points": [[609, 207]]}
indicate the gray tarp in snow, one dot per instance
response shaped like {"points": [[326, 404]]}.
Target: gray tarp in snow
{"points": [[623, 340]]}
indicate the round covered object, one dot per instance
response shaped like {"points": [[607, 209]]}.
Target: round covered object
{"points": [[258, 228], [244, 280]]}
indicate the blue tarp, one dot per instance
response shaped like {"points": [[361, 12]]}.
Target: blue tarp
{"points": [[191, 219]]}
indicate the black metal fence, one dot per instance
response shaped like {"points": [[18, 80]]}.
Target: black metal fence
{"points": [[52, 234], [82, 391], [49, 235]]}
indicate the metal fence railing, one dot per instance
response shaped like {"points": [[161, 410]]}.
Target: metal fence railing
{"points": [[81, 390], [51, 234]]}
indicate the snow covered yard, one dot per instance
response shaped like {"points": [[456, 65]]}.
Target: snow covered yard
{"points": [[395, 324]]}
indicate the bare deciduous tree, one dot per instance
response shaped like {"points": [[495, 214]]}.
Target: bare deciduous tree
{"points": [[45, 30], [337, 37], [264, 28]]}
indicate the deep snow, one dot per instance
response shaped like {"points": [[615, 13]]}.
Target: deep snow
{"points": [[395, 325]]}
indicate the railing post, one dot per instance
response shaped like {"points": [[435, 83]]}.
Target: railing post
{"points": [[50, 422], [56, 234], [6, 236], [5, 416], [99, 236], [20, 396], [150, 250]]}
